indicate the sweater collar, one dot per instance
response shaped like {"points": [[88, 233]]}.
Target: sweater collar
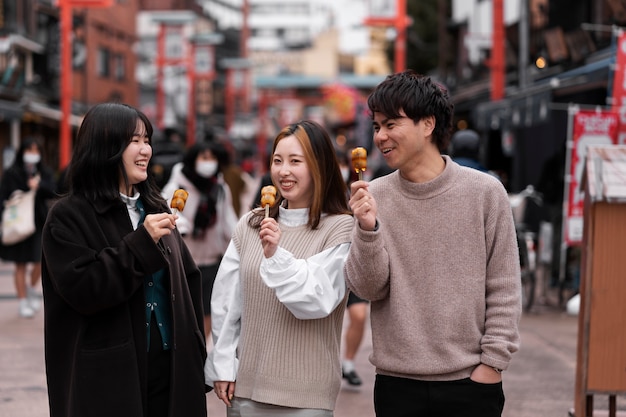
{"points": [[432, 188], [293, 217]]}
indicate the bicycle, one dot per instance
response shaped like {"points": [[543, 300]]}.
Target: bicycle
{"points": [[527, 206]]}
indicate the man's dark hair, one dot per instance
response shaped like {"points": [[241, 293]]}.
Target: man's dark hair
{"points": [[419, 97]]}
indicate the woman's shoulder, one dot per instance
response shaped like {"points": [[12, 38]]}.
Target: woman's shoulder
{"points": [[338, 221], [244, 221], [70, 203], [78, 203]]}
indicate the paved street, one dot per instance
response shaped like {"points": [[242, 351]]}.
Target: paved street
{"points": [[539, 383]]}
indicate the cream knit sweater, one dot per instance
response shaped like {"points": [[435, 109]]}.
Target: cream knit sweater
{"points": [[284, 360], [442, 272]]}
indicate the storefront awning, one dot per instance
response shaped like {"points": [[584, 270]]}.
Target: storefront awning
{"points": [[10, 110], [51, 113], [7, 42]]}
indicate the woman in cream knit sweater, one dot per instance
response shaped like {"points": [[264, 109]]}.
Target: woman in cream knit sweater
{"points": [[279, 295]]}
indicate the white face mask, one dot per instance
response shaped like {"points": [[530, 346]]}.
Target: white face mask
{"points": [[206, 169], [345, 173], [31, 158]]}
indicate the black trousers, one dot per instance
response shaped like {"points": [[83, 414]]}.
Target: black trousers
{"points": [[402, 397], [159, 361]]}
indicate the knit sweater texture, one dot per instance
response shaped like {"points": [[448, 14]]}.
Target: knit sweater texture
{"points": [[284, 360], [442, 272]]}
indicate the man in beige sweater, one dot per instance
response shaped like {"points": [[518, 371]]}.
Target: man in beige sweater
{"points": [[435, 252]]}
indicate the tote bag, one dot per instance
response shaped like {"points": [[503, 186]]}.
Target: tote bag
{"points": [[18, 217]]}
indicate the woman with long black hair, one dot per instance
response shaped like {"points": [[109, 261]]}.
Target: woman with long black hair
{"points": [[123, 329]]}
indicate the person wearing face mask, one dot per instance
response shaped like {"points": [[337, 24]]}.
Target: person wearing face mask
{"points": [[28, 173], [208, 220]]}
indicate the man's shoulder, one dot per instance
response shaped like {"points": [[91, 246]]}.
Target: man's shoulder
{"points": [[382, 183]]}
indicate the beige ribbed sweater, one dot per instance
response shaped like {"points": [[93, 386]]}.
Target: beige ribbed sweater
{"points": [[283, 360], [442, 272]]}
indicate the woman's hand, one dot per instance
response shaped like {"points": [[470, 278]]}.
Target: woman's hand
{"points": [[225, 391], [270, 236], [159, 225], [33, 183]]}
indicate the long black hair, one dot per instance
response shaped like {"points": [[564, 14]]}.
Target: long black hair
{"points": [[97, 168]]}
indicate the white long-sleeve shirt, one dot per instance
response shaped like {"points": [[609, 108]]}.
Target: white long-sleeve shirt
{"points": [[309, 288]]}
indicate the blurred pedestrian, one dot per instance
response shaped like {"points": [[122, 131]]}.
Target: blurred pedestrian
{"points": [[266, 179], [435, 252], [167, 151], [357, 307], [234, 176], [122, 294], [464, 149], [28, 172], [279, 296], [208, 221]]}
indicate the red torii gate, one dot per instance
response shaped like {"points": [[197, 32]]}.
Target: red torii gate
{"points": [[400, 22]]}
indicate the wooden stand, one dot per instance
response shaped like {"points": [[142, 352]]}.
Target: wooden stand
{"points": [[601, 351]]}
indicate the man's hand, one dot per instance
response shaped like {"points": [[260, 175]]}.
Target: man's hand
{"points": [[485, 374], [363, 205]]}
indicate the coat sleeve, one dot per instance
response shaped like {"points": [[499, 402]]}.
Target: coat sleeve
{"points": [[90, 270]]}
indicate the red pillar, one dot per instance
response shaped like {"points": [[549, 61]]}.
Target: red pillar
{"points": [[400, 22], [245, 34], [230, 98], [66, 83], [65, 20], [160, 59], [191, 107], [400, 45], [497, 52]]}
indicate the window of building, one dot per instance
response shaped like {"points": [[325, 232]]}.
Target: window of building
{"points": [[103, 62], [119, 63]]}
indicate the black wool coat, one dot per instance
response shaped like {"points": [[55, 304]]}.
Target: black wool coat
{"points": [[93, 270]]}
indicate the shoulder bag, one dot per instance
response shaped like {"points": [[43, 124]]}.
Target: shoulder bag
{"points": [[18, 217]]}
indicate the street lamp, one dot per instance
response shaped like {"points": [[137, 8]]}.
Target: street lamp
{"points": [[65, 17]]}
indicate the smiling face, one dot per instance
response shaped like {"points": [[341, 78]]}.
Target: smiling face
{"points": [[290, 173], [135, 158], [403, 142]]}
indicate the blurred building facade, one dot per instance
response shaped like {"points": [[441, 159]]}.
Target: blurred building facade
{"points": [[557, 52], [272, 63], [103, 62]]}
